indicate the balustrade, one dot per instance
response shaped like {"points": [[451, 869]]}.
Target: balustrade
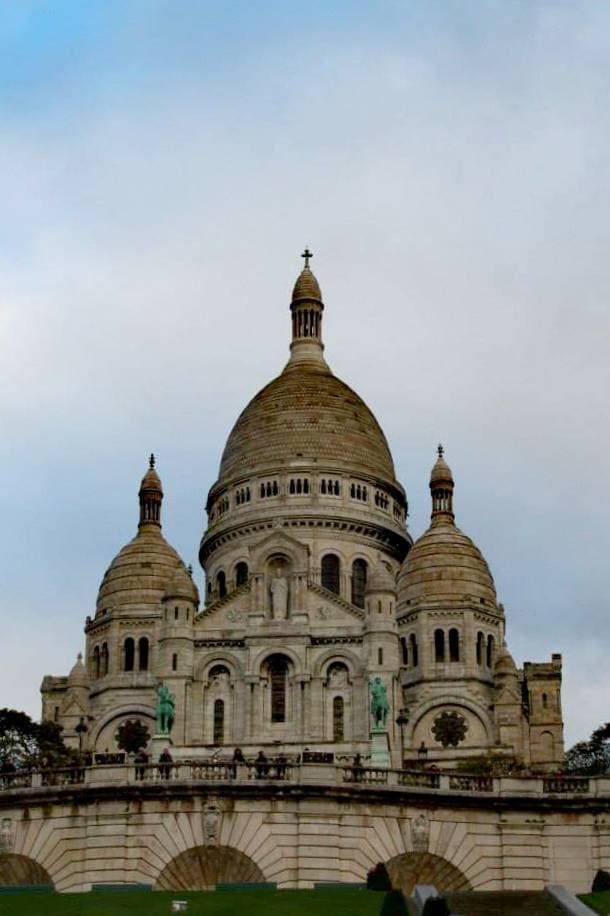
{"points": [[290, 769]]}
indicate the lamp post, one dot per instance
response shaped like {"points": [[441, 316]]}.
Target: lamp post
{"points": [[401, 721], [81, 729]]}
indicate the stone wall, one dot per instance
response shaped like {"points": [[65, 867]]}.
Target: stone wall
{"points": [[179, 833]]}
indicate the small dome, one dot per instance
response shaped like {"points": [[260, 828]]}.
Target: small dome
{"points": [[306, 287], [181, 585], [504, 665], [445, 564], [139, 574], [381, 580], [78, 676], [151, 480], [441, 472]]}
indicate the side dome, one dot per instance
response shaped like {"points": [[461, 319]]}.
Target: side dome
{"points": [[444, 563], [181, 585], [141, 571], [307, 415]]}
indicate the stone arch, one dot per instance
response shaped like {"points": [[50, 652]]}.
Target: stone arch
{"points": [[457, 701], [411, 868], [21, 871], [266, 653], [338, 654], [220, 657], [132, 710], [202, 868]]}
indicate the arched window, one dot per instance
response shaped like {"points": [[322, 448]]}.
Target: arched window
{"points": [[405, 650], [143, 653], [338, 719], [490, 651], [278, 676], [175, 661], [221, 583], [480, 643], [209, 589], [414, 653], [454, 645], [330, 573], [358, 582], [323, 487], [219, 722], [129, 652], [380, 656], [104, 658], [545, 701], [241, 574], [96, 661], [439, 646]]}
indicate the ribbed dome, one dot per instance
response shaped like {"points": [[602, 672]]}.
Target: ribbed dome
{"points": [[306, 415], [306, 287], [445, 564], [139, 574], [181, 585]]}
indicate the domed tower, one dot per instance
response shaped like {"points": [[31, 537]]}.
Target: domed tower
{"points": [[305, 507], [122, 638], [450, 625]]}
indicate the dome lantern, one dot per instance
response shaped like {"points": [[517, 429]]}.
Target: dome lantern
{"points": [[306, 308], [441, 488], [151, 497]]}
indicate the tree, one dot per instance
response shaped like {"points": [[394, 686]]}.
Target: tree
{"points": [[132, 736], [592, 757], [24, 743], [378, 878]]}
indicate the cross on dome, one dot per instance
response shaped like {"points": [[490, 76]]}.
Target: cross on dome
{"points": [[308, 255], [151, 461]]}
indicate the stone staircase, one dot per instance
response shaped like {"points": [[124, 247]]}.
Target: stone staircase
{"points": [[504, 903]]}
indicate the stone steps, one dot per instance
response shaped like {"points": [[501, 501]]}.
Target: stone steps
{"points": [[503, 903]]}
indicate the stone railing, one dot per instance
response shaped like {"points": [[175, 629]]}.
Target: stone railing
{"points": [[471, 783], [283, 769], [575, 785]]}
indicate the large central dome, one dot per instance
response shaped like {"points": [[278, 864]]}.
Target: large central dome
{"points": [[307, 415]]}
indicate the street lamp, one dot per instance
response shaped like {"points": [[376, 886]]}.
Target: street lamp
{"points": [[81, 729], [401, 721]]}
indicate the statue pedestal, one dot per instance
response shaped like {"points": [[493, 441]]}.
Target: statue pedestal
{"points": [[158, 743], [380, 748]]}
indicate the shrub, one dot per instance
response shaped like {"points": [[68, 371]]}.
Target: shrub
{"points": [[601, 882], [394, 904], [378, 878], [436, 906]]}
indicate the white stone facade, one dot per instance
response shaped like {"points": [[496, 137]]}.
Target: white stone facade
{"points": [[313, 587]]}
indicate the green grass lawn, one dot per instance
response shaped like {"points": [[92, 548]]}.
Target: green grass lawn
{"points": [[343, 902], [598, 902]]}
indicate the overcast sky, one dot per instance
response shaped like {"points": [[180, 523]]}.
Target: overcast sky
{"points": [[162, 166]]}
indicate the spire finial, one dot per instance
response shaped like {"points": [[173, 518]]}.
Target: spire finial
{"points": [[151, 461], [440, 450], [307, 254]]}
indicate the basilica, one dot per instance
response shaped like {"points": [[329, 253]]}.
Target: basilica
{"points": [[314, 589]]}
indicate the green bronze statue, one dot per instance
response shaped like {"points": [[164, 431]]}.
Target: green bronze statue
{"points": [[379, 702], [165, 711]]}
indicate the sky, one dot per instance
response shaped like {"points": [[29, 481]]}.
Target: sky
{"points": [[162, 166]]}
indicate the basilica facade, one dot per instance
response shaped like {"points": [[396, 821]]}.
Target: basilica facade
{"points": [[313, 588]]}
